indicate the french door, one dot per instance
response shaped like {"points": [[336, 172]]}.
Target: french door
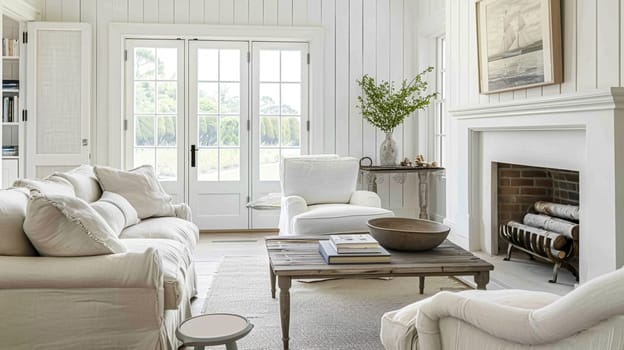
{"points": [[218, 136], [280, 118], [155, 110], [215, 118]]}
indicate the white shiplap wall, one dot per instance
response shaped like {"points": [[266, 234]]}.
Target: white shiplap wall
{"points": [[361, 36], [592, 52]]}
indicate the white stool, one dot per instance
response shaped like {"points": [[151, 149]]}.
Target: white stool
{"points": [[213, 329]]}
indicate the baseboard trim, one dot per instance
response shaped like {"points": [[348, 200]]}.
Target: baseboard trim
{"points": [[232, 231]]}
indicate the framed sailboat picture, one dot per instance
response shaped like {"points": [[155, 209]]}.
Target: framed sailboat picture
{"points": [[519, 44]]}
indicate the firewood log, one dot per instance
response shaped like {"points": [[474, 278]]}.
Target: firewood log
{"points": [[564, 211], [558, 241], [549, 223]]}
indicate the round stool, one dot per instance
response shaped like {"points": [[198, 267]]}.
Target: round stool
{"points": [[213, 329]]}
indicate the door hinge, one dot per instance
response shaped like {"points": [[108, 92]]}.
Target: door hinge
{"points": [[125, 126], [24, 115], [25, 37], [126, 55], [85, 142], [248, 124], [248, 199], [248, 56], [308, 58], [308, 125]]}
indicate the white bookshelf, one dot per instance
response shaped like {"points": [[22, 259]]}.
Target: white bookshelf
{"points": [[12, 130]]}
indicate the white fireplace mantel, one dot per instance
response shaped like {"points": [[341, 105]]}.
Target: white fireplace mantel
{"points": [[576, 132], [608, 99]]}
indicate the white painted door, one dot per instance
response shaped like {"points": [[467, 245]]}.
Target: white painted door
{"points": [[218, 134], [59, 92], [280, 116], [155, 110]]}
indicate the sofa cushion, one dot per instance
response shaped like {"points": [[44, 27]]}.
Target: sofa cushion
{"points": [[140, 187], [334, 218], [319, 180], [176, 260], [13, 240], [84, 181], [51, 185], [172, 228], [67, 226], [116, 211]]}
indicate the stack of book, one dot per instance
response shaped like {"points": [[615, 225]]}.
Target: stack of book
{"points": [[9, 150], [353, 249], [10, 84]]}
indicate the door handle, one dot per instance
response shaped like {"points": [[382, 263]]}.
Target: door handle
{"points": [[193, 150]]}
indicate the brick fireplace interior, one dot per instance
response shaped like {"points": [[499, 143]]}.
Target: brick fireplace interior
{"points": [[519, 186]]}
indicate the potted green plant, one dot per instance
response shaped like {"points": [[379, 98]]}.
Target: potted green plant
{"points": [[386, 107]]}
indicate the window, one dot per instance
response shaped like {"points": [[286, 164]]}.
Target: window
{"points": [[440, 102]]}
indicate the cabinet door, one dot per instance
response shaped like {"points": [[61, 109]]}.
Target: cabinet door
{"points": [[58, 89], [9, 172]]}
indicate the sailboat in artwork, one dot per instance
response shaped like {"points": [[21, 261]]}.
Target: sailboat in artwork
{"points": [[518, 38]]}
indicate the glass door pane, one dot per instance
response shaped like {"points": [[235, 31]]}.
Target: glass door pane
{"points": [[155, 109], [280, 106]]}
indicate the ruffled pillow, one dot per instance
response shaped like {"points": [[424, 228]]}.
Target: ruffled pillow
{"points": [[60, 225]]}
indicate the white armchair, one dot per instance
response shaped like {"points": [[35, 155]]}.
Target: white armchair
{"points": [[319, 196], [590, 317]]}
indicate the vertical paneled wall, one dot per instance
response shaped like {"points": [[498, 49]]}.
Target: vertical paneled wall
{"points": [[592, 52], [361, 37]]}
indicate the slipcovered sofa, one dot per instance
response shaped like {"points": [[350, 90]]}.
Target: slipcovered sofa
{"points": [[589, 317], [129, 300]]}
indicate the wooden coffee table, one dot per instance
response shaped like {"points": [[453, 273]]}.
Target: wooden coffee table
{"points": [[298, 257]]}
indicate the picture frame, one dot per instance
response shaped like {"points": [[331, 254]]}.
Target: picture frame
{"points": [[518, 43]]}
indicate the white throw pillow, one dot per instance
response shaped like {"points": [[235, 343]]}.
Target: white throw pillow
{"points": [[140, 187], [67, 226], [50, 185], [84, 181], [116, 211]]}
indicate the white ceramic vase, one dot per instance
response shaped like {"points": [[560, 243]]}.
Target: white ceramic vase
{"points": [[388, 151]]}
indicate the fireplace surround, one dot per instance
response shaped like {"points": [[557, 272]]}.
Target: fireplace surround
{"points": [[574, 133]]}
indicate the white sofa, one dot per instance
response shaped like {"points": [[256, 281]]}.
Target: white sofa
{"points": [[319, 196], [131, 300], [589, 317]]}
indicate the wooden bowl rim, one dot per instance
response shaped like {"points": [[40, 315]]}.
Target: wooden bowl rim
{"points": [[429, 228]]}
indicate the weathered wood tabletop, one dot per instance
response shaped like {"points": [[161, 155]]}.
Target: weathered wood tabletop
{"points": [[298, 257]]}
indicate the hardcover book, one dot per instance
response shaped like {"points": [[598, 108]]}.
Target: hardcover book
{"points": [[358, 250], [359, 240], [331, 256]]}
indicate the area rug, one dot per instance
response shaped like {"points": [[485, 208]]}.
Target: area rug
{"points": [[333, 314]]}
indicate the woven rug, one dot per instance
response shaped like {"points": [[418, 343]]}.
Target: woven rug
{"points": [[332, 314]]}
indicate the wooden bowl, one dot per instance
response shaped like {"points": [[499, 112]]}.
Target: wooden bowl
{"points": [[407, 234]]}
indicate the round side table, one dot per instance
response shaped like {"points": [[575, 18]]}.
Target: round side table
{"points": [[213, 329]]}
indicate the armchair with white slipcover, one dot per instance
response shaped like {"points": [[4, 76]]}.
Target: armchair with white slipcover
{"points": [[589, 317], [319, 196]]}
